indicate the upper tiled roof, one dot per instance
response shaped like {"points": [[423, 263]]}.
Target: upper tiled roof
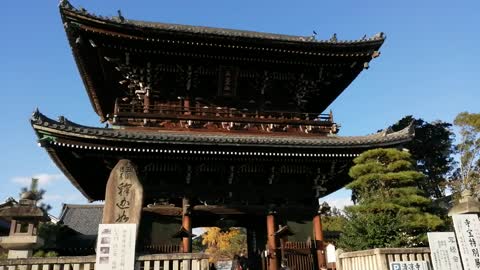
{"points": [[100, 46], [66, 7], [42, 124]]}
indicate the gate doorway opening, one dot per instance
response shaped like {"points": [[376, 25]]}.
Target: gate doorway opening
{"points": [[224, 244]]}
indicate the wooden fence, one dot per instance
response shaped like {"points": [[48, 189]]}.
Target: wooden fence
{"points": [[300, 255], [379, 258], [178, 261]]}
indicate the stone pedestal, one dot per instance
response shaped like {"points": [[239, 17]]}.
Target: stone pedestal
{"points": [[466, 205], [19, 254], [20, 246]]}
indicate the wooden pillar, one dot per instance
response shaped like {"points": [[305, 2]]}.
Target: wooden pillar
{"points": [[187, 225], [318, 233], [186, 106], [146, 102], [273, 257]]}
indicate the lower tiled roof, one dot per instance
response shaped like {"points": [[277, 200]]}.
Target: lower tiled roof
{"points": [[45, 125]]}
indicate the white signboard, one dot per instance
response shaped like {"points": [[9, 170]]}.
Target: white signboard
{"points": [[116, 247], [443, 246], [330, 250], [467, 229], [409, 265]]}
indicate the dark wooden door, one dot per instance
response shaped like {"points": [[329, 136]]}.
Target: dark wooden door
{"points": [[298, 256]]}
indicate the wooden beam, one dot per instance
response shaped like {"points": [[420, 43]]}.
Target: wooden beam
{"points": [[258, 210]]}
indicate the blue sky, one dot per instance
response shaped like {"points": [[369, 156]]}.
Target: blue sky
{"points": [[429, 66]]}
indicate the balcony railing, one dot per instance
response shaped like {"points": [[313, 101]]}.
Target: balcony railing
{"points": [[175, 261], [220, 114]]}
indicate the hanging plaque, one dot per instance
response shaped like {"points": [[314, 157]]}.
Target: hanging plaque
{"points": [[444, 251], [467, 229]]}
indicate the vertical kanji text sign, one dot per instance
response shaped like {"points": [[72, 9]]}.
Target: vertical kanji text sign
{"points": [[467, 230], [444, 251]]}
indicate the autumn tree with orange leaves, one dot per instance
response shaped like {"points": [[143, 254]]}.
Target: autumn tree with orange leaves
{"points": [[224, 244]]}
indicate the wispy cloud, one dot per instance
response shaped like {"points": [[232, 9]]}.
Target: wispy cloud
{"points": [[63, 198], [43, 179], [56, 200], [53, 197], [339, 198], [340, 203]]}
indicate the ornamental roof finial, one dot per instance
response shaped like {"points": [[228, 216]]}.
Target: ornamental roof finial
{"points": [[379, 35], [65, 4], [120, 17], [334, 38], [35, 114]]}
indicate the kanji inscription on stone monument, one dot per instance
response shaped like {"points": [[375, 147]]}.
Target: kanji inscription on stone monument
{"points": [[467, 229], [124, 195]]}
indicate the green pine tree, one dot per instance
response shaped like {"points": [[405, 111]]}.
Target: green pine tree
{"points": [[391, 210], [432, 149]]}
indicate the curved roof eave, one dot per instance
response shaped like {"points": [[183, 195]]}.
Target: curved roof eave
{"points": [[43, 124], [69, 11]]}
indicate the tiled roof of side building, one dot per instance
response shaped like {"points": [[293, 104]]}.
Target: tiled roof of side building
{"points": [[82, 218], [43, 125]]}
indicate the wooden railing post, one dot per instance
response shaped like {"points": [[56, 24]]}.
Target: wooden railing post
{"points": [[173, 261], [338, 261]]}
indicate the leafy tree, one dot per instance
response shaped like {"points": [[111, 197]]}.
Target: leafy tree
{"points": [[364, 230], [41, 253], [335, 212], [221, 244], [432, 149], [333, 220], [467, 175], [52, 232], [391, 211], [197, 246]]}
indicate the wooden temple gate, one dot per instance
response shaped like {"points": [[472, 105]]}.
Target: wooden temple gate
{"points": [[245, 136]]}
